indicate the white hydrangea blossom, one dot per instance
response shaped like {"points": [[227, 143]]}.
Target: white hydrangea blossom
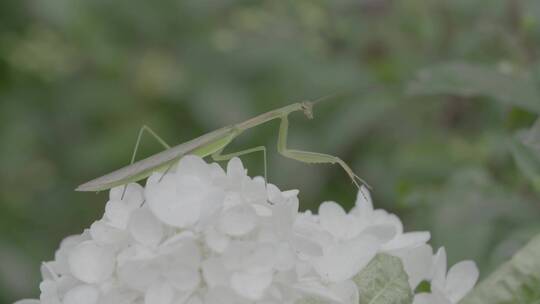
{"points": [[200, 235]]}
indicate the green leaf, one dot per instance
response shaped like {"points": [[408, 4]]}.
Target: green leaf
{"points": [[532, 137], [384, 281], [473, 80], [515, 282], [527, 158]]}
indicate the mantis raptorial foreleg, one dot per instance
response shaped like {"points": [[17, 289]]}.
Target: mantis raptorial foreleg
{"points": [[217, 156], [311, 157], [149, 130]]}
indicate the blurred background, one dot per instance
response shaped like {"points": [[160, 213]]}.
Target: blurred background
{"points": [[437, 93]]}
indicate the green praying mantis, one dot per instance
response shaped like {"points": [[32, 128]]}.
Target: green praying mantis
{"points": [[212, 144]]}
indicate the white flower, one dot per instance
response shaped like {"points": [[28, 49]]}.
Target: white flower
{"points": [[416, 263], [199, 235], [344, 292], [251, 285], [451, 287], [159, 292], [145, 228], [178, 198], [82, 294], [91, 262], [238, 220], [387, 228], [122, 201], [341, 261]]}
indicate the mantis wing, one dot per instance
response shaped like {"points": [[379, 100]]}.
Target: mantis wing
{"points": [[201, 146]]}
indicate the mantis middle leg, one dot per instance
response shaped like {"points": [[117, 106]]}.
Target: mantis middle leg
{"points": [[143, 129], [218, 156]]}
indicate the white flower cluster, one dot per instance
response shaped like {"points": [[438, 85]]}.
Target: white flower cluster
{"points": [[199, 235]]}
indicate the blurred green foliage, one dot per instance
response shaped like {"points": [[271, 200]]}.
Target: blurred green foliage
{"points": [[436, 91]]}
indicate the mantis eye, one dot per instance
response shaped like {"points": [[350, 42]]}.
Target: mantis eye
{"points": [[307, 107]]}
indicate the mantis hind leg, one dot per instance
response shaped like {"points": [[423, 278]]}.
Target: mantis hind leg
{"points": [[218, 156], [148, 130], [312, 157]]}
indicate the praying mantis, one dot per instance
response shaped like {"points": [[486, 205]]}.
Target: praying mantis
{"points": [[212, 144]]}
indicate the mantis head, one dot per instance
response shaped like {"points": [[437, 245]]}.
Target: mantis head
{"points": [[307, 107]]}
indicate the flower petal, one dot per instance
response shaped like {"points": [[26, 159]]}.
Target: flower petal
{"points": [[249, 285], [283, 217], [183, 277], [222, 295], [178, 205], [192, 165], [461, 279], [364, 203], [285, 257], [117, 212], [91, 262], [82, 294], [438, 272], [236, 170], [47, 272], [316, 290], [416, 262], [119, 296], [159, 293], [341, 262], [192, 300], [131, 194], [145, 228], [214, 273], [105, 233], [382, 232], [407, 240], [238, 221], [138, 275], [347, 291], [215, 240], [424, 298], [332, 217]]}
